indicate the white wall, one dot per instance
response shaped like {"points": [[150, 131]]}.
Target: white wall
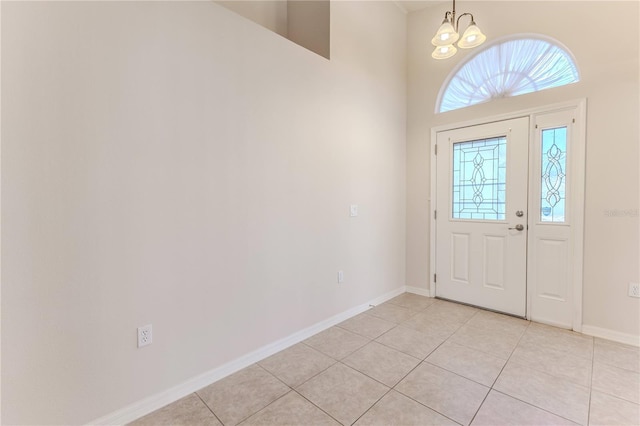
{"points": [[609, 81], [173, 163]]}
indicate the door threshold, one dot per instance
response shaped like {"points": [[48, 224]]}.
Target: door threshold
{"points": [[481, 307]]}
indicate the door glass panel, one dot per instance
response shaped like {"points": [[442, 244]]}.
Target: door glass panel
{"points": [[479, 179], [554, 162]]}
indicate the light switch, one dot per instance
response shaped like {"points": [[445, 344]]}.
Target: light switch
{"points": [[353, 210]]}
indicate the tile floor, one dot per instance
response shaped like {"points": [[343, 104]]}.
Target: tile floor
{"points": [[419, 361]]}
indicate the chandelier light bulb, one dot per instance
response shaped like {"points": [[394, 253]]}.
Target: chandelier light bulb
{"points": [[444, 52], [472, 37], [445, 35]]}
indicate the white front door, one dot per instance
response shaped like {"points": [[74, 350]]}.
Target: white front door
{"points": [[481, 219]]}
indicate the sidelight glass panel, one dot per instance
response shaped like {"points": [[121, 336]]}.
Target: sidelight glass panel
{"points": [[479, 179], [553, 175]]}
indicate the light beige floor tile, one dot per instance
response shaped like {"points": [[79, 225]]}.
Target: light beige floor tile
{"points": [[412, 301], [382, 363], [607, 410], [498, 323], [187, 411], [452, 311], [432, 324], [297, 364], [367, 325], [336, 342], [396, 409], [616, 381], [390, 312], [343, 393], [556, 338], [554, 362], [410, 341], [291, 410], [470, 363], [242, 394], [559, 396], [502, 410], [617, 354], [496, 344], [449, 394]]}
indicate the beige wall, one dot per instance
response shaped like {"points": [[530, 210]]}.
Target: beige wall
{"points": [[305, 22], [609, 81], [308, 24], [271, 14], [173, 163]]}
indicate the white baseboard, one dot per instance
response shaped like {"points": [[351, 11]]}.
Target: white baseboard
{"points": [[616, 336], [145, 406], [419, 291]]}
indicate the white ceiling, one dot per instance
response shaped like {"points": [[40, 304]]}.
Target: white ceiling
{"points": [[413, 5]]}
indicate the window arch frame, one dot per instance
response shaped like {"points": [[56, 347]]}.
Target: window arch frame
{"points": [[501, 40]]}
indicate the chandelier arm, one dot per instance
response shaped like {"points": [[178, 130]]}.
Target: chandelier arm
{"points": [[458, 20]]}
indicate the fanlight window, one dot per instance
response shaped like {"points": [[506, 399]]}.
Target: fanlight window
{"points": [[510, 68]]}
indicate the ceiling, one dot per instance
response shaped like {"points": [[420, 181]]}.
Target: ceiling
{"points": [[413, 5]]}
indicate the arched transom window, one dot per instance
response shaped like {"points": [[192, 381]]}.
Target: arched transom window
{"points": [[524, 64]]}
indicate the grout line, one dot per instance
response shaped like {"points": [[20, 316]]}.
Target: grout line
{"points": [[335, 361], [319, 408], [266, 406], [424, 405], [316, 375], [414, 368], [535, 406], [411, 371], [511, 354], [498, 375], [372, 405], [456, 374], [593, 360], [528, 403], [281, 396], [480, 406], [403, 352], [366, 375], [369, 337], [208, 408], [271, 374]]}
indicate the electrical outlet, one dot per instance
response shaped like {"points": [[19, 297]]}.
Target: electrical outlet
{"points": [[145, 335], [634, 289], [353, 210], [340, 276]]}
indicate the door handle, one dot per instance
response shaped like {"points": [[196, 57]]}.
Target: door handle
{"points": [[518, 227]]}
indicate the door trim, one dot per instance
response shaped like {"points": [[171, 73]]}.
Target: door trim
{"points": [[577, 202]]}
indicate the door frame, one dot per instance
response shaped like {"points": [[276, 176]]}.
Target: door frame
{"points": [[576, 202]]}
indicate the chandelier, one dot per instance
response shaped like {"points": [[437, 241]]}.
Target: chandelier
{"points": [[448, 34]]}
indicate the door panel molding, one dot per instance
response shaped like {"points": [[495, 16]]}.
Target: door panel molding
{"points": [[482, 171]]}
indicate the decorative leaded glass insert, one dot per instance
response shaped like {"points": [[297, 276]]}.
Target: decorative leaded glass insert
{"points": [[479, 179], [553, 174]]}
